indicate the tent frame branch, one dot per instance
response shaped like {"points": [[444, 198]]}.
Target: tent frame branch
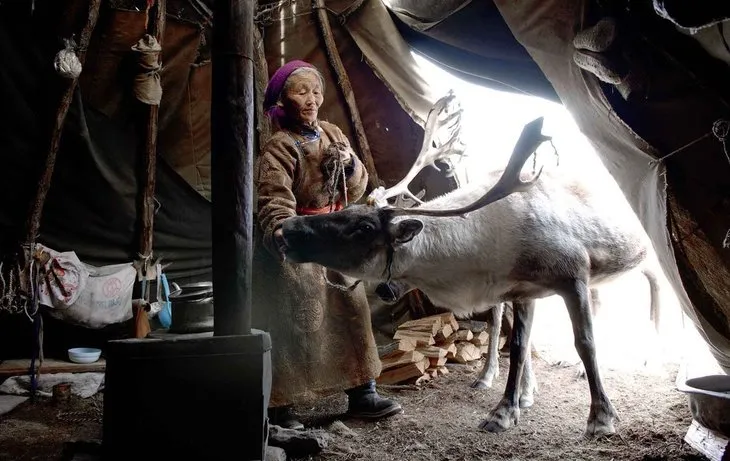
{"points": [[36, 211], [345, 86]]}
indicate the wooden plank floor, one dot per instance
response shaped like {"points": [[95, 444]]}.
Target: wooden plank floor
{"points": [[18, 367]]}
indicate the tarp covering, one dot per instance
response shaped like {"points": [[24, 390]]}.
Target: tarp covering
{"points": [[470, 40], [680, 79], [92, 205], [682, 201]]}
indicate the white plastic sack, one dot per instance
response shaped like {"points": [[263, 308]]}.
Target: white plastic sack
{"points": [[102, 296], [63, 289]]}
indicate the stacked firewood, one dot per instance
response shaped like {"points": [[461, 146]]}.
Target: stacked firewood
{"points": [[422, 347]]}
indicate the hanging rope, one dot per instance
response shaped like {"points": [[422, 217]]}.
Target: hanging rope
{"points": [[147, 87], [721, 131]]}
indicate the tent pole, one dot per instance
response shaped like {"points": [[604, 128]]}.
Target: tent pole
{"points": [[34, 218], [346, 88], [232, 119], [261, 79], [156, 29]]}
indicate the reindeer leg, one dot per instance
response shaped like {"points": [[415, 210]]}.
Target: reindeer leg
{"points": [[580, 369], [507, 412], [490, 370], [602, 414], [528, 384]]}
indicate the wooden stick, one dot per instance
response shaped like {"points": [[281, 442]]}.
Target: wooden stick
{"points": [[261, 72], [346, 88], [156, 28], [34, 219], [232, 130]]}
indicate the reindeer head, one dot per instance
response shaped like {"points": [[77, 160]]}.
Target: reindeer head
{"points": [[357, 241]]}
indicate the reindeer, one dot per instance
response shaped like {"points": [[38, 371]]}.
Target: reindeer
{"points": [[481, 245]]}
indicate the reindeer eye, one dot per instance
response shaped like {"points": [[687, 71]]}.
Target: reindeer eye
{"points": [[365, 227]]}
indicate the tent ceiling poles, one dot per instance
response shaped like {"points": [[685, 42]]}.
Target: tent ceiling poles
{"points": [[333, 55]]}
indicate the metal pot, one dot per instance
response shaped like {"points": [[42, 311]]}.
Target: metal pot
{"points": [[192, 308]]}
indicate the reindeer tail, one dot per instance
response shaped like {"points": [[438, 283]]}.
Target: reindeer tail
{"points": [[654, 307]]}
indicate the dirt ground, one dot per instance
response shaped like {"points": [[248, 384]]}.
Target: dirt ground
{"points": [[37, 431], [439, 422]]}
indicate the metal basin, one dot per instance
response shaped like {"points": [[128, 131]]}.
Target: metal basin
{"points": [[709, 401]]}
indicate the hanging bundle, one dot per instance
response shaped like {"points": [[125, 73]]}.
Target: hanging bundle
{"points": [[66, 62], [147, 86]]}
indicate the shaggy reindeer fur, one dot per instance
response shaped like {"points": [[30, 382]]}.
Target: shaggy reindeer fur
{"points": [[554, 238]]}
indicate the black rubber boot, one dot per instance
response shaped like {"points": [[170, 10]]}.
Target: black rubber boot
{"points": [[284, 417], [364, 402]]}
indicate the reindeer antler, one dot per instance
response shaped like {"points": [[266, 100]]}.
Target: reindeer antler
{"points": [[508, 183], [444, 118]]}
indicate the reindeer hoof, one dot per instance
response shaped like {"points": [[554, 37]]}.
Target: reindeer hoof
{"points": [[595, 430], [481, 384], [601, 422], [501, 418]]}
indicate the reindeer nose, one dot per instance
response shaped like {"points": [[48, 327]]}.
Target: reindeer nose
{"points": [[386, 293]]}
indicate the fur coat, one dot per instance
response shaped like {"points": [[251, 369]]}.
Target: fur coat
{"points": [[322, 339]]}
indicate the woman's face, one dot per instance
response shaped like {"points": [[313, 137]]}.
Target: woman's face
{"points": [[303, 97]]}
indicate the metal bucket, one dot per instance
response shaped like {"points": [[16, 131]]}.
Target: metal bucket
{"points": [[192, 308]]}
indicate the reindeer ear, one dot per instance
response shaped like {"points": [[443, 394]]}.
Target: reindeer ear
{"points": [[404, 231]]}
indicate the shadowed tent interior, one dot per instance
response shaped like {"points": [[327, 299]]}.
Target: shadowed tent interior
{"points": [[661, 129]]}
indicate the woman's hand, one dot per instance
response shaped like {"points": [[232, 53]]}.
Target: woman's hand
{"points": [[345, 155], [280, 243]]}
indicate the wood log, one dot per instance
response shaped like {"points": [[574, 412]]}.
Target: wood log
{"points": [[450, 319], [232, 136], [346, 87], [401, 359], [451, 351], [421, 338], [403, 373], [467, 352], [464, 335], [437, 361], [443, 333], [431, 323], [480, 339], [432, 351], [402, 345]]}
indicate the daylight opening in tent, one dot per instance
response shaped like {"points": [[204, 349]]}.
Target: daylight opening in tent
{"points": [[625, 336]]}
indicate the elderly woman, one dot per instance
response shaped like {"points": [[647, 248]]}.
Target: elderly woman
{"points": [[321, 333]]}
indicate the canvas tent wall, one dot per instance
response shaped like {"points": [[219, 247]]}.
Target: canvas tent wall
{"points": [[92, 205], [682, 200]]}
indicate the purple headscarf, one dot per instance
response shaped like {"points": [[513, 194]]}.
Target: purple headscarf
{"points": [[276, 86]]}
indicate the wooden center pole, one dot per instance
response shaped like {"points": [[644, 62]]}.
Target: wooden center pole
{"points": [[232, 118]]}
